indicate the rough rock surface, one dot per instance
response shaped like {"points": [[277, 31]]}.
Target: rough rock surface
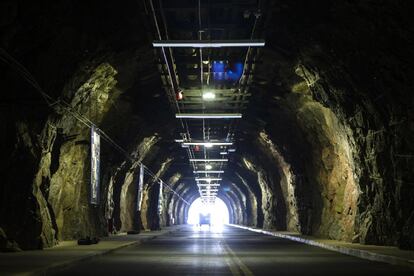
{"points": [[325, 149]]}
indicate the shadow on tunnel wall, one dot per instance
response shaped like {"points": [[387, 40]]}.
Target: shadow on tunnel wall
{"points": [[325, 147]]}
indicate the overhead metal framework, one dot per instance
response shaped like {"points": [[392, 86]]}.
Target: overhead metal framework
{"points": [[208, 115], [208, 171], [207, 144], [208, 160], [207, 51], [208, 43]]}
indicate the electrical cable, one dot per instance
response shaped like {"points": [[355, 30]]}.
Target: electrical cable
{"points": [[8, 59], [183, 122]]}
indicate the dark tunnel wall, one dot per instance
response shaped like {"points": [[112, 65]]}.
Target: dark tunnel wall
{"points": [[352, 103], [324, 148]]}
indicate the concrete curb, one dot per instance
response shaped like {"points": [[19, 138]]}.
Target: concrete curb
{"points": [[65, 264], [363, 254]]}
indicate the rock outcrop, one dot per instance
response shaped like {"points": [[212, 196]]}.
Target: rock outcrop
{"points": [[324, 148]]}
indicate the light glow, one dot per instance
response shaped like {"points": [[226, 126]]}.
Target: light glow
{"points": [[208, 115], [209, 96], [208, 167], [207, 144], [208, 160], [208, 179], [208, 184], [208, 43], [218, 211], [208, 171]]}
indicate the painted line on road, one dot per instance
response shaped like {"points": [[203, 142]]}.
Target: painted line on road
{"points": [[246, 271], [228, 259], [234, 259]]}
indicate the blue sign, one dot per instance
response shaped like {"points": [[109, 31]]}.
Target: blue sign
{"points": [[227, 71]]}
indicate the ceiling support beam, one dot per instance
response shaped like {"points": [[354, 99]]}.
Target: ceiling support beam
{"points": [[208, 115], [208, 171], [208, 160], [208, 43]]}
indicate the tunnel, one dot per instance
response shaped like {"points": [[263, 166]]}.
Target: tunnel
{"points": [[297, 115]]}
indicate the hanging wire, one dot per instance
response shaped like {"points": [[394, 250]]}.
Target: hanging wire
{"points": [[234, 124], [170, 75], [150, 173], [13, 63]]}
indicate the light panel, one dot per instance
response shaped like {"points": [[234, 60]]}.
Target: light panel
{"points": [[209, 95], [208, 179], [208, 43], [208, 189], [207, 144], [208, 171], [208, 115], [208, 184], [208, 160]]}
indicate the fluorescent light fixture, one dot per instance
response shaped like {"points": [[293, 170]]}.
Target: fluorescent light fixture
{"points": [[209, 95], [208, 171], [224, 153], [208, 43], [208, 167], [207, 144], [208, 191], [208, 115], [208, 184], [208, 160], [208, 179], [231, 150], [208, 188], [179, 140]]}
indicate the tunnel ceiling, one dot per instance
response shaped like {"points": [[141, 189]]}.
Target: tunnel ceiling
{"points": [[208, 87], [324, 146]]}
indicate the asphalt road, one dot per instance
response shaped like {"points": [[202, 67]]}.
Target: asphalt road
{"points": [[231, 251]]}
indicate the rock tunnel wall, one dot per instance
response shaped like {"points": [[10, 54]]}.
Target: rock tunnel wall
{"points": [[325, 149], [100, 77], [342, 87]]}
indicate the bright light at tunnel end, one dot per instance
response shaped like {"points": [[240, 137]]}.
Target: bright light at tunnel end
{"points": [[219, 214]]}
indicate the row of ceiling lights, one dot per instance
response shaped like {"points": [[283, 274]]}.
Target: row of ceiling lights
{"points": [[206, 190]]}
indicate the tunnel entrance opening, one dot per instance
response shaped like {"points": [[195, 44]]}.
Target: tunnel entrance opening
{"points": [[218, 211]]}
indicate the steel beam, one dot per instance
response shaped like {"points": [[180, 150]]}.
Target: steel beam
{"points": [[208, 115], [208, 43]]}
